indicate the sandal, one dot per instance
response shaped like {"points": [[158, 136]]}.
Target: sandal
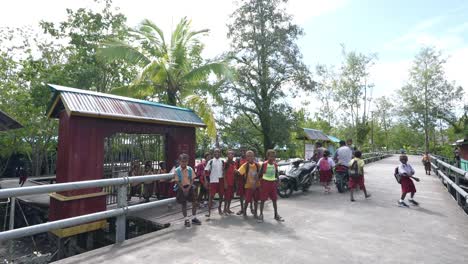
{"points": [[260, 219], [279, 218]]}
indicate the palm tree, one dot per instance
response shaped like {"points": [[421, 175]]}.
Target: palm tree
{"points": [[171, 72]]}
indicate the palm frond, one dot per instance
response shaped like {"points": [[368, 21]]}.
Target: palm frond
{"points": [[203, 109], [116, 49], [220, 69]]}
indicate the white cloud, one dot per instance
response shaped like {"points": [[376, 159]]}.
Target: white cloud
{"points": [[389, 76], [304, 10]]}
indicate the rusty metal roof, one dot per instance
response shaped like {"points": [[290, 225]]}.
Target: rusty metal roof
{"points": [[8, 123], [314, 134], [100, 105]]}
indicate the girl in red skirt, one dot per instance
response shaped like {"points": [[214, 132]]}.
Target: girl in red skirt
{"points": [[326, 165], [406, 173]]}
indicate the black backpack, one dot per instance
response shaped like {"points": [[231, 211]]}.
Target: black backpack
{"points": [[397, 175], [354, 170]]}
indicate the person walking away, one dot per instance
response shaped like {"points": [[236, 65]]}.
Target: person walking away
{"points": [[326, 165], [240, 181], [426, 160], [185, 190], [318, 152], [356, 175], [214, 169], [230, 168], [406, 173], [202, 186], [22, 174], [148, 186], [343, 156], [249, 171], [269, 178], [349, 143]]}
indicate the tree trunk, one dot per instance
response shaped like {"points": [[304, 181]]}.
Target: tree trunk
{"points": [[426, 117]]}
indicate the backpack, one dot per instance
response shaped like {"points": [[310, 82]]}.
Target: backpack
{"points": [[179, 173], [324, 165], [354, 170], [248, 167], [397, 175], [265, 166]]}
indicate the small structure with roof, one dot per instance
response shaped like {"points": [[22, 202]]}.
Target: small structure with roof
{"points": [[86, 121], [310, 136], [8, 123]]}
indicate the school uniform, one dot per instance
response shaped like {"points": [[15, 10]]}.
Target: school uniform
{"points": [[326, 175], [240, 190], [268, 183], [251, 181], [407, 184], [183, 178], [215, 169], [355, 182], [230, 169]]}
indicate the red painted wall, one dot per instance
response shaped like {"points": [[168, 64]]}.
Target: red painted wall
{"points": [[81, 156]]}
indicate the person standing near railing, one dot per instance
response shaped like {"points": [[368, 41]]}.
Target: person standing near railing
{"points": [[426, 160], [22, 174], [185, 189], [134, 188]]}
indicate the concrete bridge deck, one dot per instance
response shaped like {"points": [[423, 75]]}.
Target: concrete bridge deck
{"points": [[319, 228]]}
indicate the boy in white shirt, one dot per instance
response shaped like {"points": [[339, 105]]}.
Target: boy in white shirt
{"points": [[215, 169]]}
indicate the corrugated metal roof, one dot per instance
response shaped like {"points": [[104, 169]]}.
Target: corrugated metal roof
{"points": [[8, 123], [333, 139], [314, 134], [101, 105]]}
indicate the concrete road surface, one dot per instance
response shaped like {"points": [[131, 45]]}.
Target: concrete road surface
{"points": [[319, 228]]}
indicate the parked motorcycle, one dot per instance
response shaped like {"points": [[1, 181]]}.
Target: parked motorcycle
{"points": [[299, 177], [341, 178]]}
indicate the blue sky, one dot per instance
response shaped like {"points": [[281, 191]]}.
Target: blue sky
{"points": [[394, 29]]}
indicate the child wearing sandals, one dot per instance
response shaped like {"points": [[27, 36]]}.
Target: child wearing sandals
{"points": [[185, 190], [269, 177], [326, 165]]}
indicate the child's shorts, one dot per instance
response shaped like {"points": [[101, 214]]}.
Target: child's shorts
{"points": [[250, 195], [217, 188], [182, 198], [268, 189]]}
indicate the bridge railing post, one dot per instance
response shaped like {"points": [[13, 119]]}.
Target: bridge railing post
{"points": [[121, 220]]}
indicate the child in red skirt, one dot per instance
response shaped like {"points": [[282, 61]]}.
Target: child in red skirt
{"points": [[269, 177], [240, 181], [406, 173], [326, 165], [229, 171], [356, 175]]}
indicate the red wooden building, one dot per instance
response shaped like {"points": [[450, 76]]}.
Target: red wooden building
{"points": [[86, 119]]}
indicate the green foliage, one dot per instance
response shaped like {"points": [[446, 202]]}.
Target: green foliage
{"points": [[429, 96], [353, 91], [84, 30], [171, 72], [268, 63]]}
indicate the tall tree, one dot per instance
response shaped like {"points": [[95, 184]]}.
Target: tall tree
{"points": [[172, 72], [326, 90], [83, 30], [269, 65], [384, 110], [354, 90], [428, 96]]}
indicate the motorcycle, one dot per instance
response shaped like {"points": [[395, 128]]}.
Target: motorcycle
{"points": [[299, 177], [341, 178]]}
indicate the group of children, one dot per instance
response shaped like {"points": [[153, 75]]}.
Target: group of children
{"points": [[352, 160], [254, 183]]}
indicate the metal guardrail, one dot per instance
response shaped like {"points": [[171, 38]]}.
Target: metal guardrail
{"points": [[120, 212], [446, 172], [375, 156]]}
